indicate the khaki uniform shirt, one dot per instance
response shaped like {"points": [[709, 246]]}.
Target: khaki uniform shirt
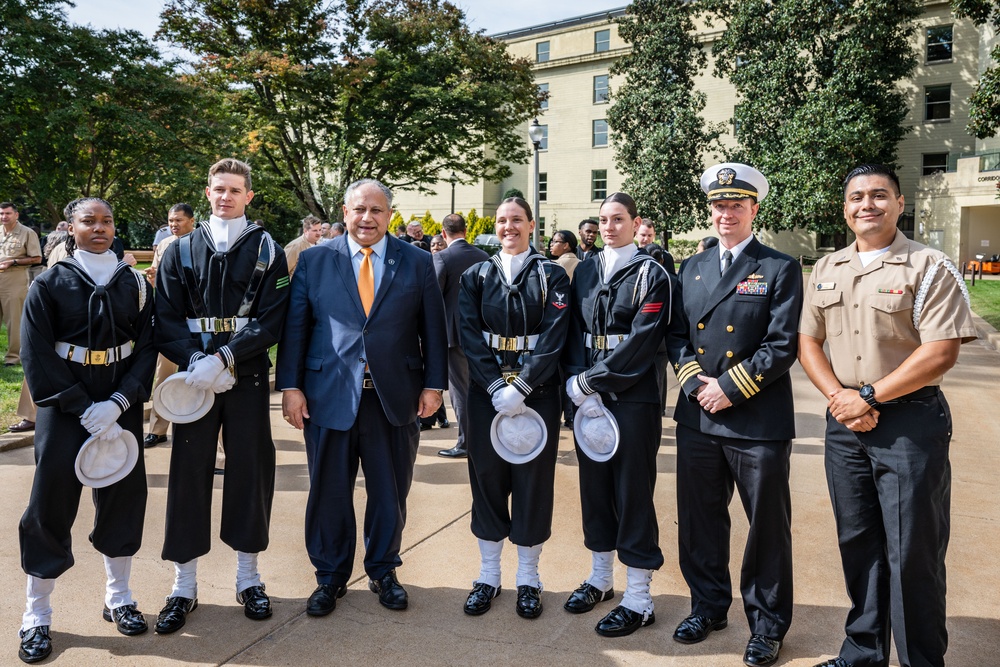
{"points": [[19, 243], [866, 313], [292, 251], [161, 248]]}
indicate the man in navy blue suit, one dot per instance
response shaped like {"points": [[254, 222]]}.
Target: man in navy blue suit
{"points": [[363, 356]]}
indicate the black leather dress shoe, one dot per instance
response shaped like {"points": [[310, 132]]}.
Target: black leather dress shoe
{"points": [[324, 599], [444, 423], [21, 427], [454, 453], [529, 602], [36, 645], [835, 662], [761, 651], [585, 598], [152, 440], [127, 618], [696, 628], [173, 615], [426, 427], [480, 599], [622, 621], [256, 604], [390, 594]]}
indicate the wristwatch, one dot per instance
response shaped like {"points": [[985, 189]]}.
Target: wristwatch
{"points": [[868, 395]]}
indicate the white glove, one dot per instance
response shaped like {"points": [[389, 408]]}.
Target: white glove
{"points": [[100, 416], [592, 406], [508, 401], [574, 392], [224, 382], [111, 433], [203, 373]]}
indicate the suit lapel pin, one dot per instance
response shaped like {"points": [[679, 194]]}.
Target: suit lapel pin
{"points": [[391, 261]]}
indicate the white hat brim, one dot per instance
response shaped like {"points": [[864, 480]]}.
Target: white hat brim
{"points": [[580, 421], [126, 440], [201, 400], [513, 457]]}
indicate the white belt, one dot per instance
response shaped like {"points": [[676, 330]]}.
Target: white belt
{"points": [[514, 344], [604, 342], [82, 355], [216, 324]]}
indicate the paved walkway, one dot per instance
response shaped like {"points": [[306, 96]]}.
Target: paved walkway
{"points": [[441, 561]]}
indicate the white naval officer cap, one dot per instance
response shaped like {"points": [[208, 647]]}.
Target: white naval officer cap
{"points": [[733, 180]]}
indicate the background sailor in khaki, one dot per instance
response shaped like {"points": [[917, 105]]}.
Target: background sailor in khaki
{"points": [[19, 249], [312, 232]]}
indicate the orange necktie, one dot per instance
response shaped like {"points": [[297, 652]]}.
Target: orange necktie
{"points": [[366, 281]]}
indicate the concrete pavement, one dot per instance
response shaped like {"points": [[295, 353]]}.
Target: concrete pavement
{"points": [[441, 560]]}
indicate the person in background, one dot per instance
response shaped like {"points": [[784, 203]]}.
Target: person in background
{"points": [[438, 243], [19, 249], [312, 232], [562, 248], [415, 232], [707, 243], [588, 238]]}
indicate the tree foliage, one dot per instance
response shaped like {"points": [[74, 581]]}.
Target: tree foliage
{"points": [[95, 112], [817, 82], [659, 136], [330, 92], [984, 105]]}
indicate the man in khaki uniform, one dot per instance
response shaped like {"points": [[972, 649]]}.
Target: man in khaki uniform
{"points": [[894, 314], [312, 232], [19, 249], [180, 221]]}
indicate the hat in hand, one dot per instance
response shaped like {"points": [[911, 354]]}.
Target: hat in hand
{"points": [[179, 402], [101, 463], [519, 438], [597, 437]]}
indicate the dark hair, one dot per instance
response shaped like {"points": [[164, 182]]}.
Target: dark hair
{"points": [[871, 170], [453, 224], [7, 204], [586, 221], [520, 202], [709, 242], [569, 237], [623, 199], [70, 211], [182, 208]]}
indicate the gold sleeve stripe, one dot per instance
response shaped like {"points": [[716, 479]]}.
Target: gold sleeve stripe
{"points": [[742, 380], [746, 375], [688, 371], [739, 382]]}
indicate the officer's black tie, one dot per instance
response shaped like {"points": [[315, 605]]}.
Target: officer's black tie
{"points": [[727, 261]]}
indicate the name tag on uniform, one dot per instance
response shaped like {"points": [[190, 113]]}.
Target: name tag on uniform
{"points": [[752, 288], [825, 286]]}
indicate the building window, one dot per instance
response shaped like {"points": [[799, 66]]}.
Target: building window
{"points": [[542, 52], [543, 145], [602, 41], [600, 134], [543, 186], [934, 163], [601, 89], [939, 42], [937, 102], [599, 184], [543, 92]]}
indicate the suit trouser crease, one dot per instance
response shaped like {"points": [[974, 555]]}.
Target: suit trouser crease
{"points": [[616, 496], [709, 467], [386, 455], [891, 495], [458, 392], [512, 500]]}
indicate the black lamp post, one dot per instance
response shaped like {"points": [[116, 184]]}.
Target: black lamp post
{"points": [[453, 179], [535, 134]]}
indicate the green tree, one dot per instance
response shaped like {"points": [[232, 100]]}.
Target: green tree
{"points": [[984, 105], [96, 113], [399, 90], [817, 82], [659, 137]]}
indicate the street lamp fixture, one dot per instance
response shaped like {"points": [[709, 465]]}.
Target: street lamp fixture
{"points": [[453, 179], [535, 134]]}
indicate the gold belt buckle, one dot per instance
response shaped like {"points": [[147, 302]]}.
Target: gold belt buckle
{"points": [[223, 324], [507, 344], [96, 358], [368, 383], [509, 376], [600, 342]]}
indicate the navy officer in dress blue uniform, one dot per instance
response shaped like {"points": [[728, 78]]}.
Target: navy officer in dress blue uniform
{"points": [[732, 341]]}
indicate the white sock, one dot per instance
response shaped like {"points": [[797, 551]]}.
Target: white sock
{"points": [[602, 570], [246, 571], [38, 610], [637, 597], [489, 566], [527, 566], [116, 591], [185, 580]]}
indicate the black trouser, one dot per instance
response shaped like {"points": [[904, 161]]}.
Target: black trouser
{"points": [[891, 493], [243, 414], [616, 496], [527, 486], [55, 497], [708, 467], [386, 454]]}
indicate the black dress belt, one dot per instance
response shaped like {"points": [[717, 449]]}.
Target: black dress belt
{"points": [[368, 382], [924, 392]]}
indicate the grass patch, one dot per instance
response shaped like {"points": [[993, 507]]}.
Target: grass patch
{"points": [[10, 387], [985, 297]]}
